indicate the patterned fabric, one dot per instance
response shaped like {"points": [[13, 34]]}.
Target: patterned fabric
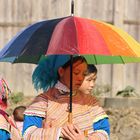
{"points": [[53, 107], [19, 126], [34, 133], [62, 88], [6, 126], [4, 91]]}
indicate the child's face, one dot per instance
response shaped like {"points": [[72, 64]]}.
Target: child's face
{"points": [[88, 83]]}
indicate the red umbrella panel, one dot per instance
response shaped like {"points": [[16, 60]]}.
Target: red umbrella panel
{"points": [[75, 35]]}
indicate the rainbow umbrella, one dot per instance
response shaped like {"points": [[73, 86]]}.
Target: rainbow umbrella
{"points": [[99, 42]]}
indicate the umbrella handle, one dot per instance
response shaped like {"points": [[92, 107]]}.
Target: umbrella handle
{"points": [[70, 117], [70, 121]]}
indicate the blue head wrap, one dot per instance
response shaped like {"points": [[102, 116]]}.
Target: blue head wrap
{"points": [[45, 75]]}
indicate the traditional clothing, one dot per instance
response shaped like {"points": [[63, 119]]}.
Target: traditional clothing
{"points": [[49, 112], [7, 128]]}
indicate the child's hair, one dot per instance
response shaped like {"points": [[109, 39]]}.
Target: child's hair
{"points": [[18, 113], [91, 69]]}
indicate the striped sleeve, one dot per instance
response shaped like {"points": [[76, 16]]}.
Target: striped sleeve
{"points": [[101, 126], [99, 135], [32, 130]]}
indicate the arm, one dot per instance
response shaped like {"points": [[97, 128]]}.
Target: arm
{"points": [[4, 128], [101, 130], [4, 135], [32, 129], [102, 124]]}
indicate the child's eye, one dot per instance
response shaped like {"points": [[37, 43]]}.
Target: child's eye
{"points": [[90, 80]]}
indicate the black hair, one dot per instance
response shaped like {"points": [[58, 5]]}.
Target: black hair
{"points": [[91, 69], [19, 113], [75, 59]]}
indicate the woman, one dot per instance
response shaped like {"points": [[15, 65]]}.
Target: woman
{"points": [[7, 128], [47, 117]]}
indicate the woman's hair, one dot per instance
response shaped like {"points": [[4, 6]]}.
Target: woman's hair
{"points": [[46, 75], [18, 113], [91, 69], [74, 60]]}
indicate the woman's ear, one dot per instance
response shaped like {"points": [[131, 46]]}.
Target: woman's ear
{"points": [[60, 71]]}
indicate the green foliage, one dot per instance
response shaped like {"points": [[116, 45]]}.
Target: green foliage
{"points": [[16, 97], [127, 92]]}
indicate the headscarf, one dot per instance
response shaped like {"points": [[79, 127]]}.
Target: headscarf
{"points": [[4, 92], [45, 75]]}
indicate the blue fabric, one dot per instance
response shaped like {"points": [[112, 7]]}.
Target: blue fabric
{"points": [[33, 41], [32, 121], [37, 121], [4, 135], [45, 75], [102, 124]]}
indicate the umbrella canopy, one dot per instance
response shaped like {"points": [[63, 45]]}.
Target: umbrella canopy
{"points": [[99, 42]]}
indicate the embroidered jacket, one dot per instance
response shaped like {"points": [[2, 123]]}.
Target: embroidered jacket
{"points": [[49, 112]]}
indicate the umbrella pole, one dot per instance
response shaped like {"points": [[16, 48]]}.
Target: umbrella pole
{"points": [[70, 102], [72, 7], [71, 62]]}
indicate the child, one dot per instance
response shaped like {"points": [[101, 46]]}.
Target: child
{"points": [[89, 81], [18, 115]]}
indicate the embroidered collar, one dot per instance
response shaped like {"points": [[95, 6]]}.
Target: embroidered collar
{"points": [[62, 88]]}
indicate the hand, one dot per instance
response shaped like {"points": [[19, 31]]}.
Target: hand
{"points": [[48, 123], [72, 132]]}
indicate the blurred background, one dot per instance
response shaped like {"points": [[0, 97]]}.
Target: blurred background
{"points": [[117, 86]]}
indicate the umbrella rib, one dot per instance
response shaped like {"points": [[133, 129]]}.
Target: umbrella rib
{"points": [[95, 59], [76, 33], [122, 59]]}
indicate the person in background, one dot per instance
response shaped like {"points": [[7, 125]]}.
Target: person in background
{"points": [[47, 116], [18, 115], [7, 128]]}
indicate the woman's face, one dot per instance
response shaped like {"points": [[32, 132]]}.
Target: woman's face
{"points": [[88, 83], [79, 70]]}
